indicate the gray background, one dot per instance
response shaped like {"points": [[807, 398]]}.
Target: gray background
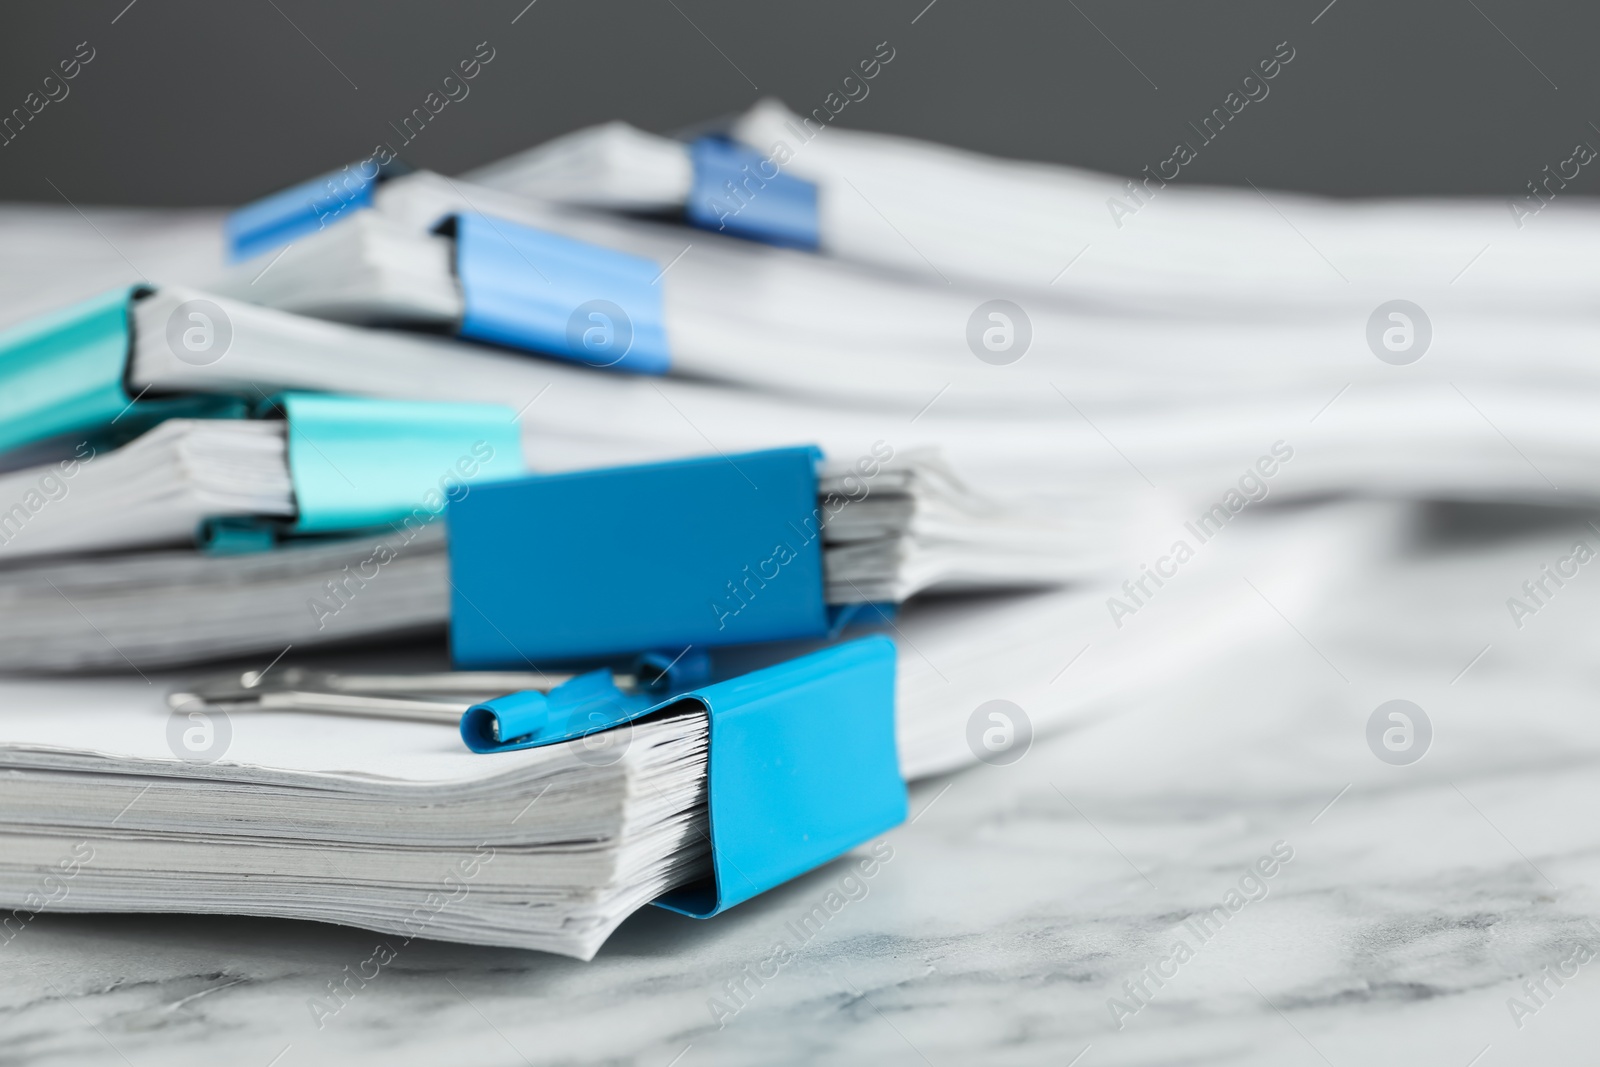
{"points": [[208, 103]]}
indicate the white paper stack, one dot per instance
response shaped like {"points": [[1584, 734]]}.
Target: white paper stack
{"points": [[143, 610], [798, 325], [793, 346], [1437, 429], [154, 490], [915, 527], [1155, 241], [72, 596], [109, 802], [392, 826]]}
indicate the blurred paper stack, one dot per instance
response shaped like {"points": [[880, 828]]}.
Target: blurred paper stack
{"points": [[1037, 399]]}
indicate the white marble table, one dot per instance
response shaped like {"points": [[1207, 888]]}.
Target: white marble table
{"points": [[1020, 899]]}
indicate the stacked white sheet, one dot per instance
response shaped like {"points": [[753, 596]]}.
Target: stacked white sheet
{"points": [[1156, 241], [109, 802]]}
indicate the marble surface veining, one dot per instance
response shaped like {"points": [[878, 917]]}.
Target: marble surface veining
{"points": [[1419, 907], [1021, 903]]}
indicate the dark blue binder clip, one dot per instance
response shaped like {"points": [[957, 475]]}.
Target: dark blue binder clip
{"points": [[801, 759], [312, 205], [723, 550]]}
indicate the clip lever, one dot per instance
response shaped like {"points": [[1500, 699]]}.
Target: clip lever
{"points": [[421, 697], [443, 696]]}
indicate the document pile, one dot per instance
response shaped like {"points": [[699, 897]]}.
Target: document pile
{"points": [[942, 213], [1202, 331], [115, 802], [392, 826], [912, 528], [267, 522], [631, 520]]}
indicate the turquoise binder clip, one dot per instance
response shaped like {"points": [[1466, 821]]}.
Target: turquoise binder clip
{"points": [[280, 217], [65, 375], [722, 550], [802, 764], [735, 190], [360, 462], [529, 289]]}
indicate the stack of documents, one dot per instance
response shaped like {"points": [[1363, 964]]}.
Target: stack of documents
{"points": [[156, 490], [762, 338], [224, 536], [140, 610], [391, 826], [800, 325], [915, 528], [259, 468], [1155, 241], [1190, 423], [110, 802], [1184, 399], [918, 528]]}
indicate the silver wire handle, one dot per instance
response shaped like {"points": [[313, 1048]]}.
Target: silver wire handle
{"points": [[415, 697]]}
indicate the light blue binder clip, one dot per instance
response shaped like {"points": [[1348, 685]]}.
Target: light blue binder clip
{"points": [[722, 550], [537, 291], [737, 191], [802, 763]]}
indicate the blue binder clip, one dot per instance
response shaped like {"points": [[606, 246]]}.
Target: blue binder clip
{"points": [[802, 764], [65, 376], [587, 707], [529, 289], [722, 550], [281, 217], [735, 190]]}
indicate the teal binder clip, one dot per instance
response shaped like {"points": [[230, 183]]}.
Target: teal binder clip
{"points": [[359, 461], [802, 763], [237, 535], [65, 375]]}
